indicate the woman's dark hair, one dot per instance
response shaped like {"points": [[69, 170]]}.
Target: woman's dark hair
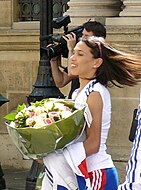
{"points": [[96, 28], [118, 68]]}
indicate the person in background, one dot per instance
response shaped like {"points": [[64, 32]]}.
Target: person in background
{"points": [[133, 168], [62, 78], [86, 164]]}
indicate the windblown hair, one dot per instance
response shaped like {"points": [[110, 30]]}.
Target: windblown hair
{"points": [[118, 68]]}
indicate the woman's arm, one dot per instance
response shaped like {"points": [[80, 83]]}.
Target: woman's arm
{"points": [[92, 142]]}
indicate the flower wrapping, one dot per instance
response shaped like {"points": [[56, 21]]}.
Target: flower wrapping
{"points": [[45, 126]]}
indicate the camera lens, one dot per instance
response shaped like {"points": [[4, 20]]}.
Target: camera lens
{"points": [[54, 50]]}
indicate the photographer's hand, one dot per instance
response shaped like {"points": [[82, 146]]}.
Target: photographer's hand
{"points": [[71, 41]]}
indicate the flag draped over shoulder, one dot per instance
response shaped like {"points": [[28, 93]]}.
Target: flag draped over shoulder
{"points": [[68, 170]]}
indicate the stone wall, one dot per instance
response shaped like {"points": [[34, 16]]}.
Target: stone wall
{"points": [[19, 57], [124, 35]]}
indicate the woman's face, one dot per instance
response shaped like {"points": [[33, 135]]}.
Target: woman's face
{"points": [[82, 61]]}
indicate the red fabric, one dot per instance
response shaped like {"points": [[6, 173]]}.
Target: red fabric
{"points": [[83, 169]]}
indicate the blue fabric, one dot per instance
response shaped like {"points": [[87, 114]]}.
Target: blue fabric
{"points": [[111, 179], [81, 182], [61, 188]]}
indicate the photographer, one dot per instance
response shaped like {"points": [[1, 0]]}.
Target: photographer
{"points": [[62, 78]]}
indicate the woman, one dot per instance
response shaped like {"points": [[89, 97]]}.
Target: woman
{"points": [[86, 163]]}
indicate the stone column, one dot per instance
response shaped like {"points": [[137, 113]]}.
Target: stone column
{"points": [[82, 10], [6, 13], [132, 8], [130, 15]]}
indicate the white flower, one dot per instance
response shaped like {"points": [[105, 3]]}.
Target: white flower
{"points": [[65, 108], [48, 105], [19, 115], [39, 110], [41, 114], [59, 106], [39, 122], [30, 108], [12, 124], [66, 114], [29, 121]]}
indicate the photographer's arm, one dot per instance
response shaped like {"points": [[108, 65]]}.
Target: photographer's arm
{"points": [[71, 42], [60, 78]]}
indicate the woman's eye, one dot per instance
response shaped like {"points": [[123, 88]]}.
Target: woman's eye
{"points": [[80, 54]]}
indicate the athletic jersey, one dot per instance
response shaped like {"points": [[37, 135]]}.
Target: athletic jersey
{"points": [[101, 159]]}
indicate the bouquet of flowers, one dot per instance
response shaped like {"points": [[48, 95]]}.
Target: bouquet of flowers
{"points": [[45, 126]]}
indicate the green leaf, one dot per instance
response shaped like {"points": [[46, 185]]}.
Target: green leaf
{"points": [[10, 116], [20, 107], [40, 103]]}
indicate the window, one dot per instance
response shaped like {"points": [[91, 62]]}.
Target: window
{"points": [[30, 9]]}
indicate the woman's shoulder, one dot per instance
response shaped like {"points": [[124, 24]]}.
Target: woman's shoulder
{"points": [[96, 86]]}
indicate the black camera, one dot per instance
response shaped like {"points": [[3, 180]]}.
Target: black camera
{"points": [[59, 46]]}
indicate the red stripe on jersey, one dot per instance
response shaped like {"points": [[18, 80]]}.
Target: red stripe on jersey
{"points": [[83, 169]]}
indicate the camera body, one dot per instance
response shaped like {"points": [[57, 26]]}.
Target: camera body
{"points": [[59, 46]]}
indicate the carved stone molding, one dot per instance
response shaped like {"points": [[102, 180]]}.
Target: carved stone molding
{"points": [[83, 10], [132, 8]]}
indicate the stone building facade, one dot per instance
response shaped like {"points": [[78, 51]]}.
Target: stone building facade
{"points": [[19, 60]]}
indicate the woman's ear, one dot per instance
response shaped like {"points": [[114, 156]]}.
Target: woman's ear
{"points": [[97, 62]]}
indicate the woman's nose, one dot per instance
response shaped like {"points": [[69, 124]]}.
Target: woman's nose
{"points": [[72, 57]]}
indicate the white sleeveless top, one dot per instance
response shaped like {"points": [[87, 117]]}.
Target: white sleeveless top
{"points": [[101, 159]]}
